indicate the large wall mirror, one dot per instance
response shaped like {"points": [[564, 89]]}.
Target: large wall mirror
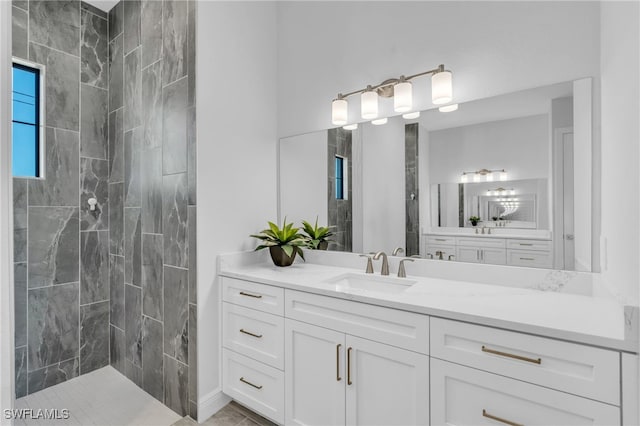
{"points": [[503, 180]]}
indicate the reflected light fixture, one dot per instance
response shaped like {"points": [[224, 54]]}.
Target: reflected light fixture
{"points": [[411, 115], [350, 126], [448, 108], [464, 178], [379, 121], [400, 89], [484, 174]]}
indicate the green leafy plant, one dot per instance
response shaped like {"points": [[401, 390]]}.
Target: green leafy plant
{"points": [[288, 238], [474, 219], [316, 234]]}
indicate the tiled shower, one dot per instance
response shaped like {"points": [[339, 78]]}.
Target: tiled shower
{"points": [[115, 285]]}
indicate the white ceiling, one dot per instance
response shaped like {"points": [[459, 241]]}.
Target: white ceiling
{"points": [[105, 5]]}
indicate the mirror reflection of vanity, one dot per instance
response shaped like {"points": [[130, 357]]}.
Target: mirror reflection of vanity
{"points": [[502, 180]]}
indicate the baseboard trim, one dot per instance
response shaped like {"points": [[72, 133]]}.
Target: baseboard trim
{"points": [[211, 404]]}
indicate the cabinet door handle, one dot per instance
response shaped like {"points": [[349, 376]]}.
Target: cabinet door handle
{"points": [[249, 383], [242, 330], [440, 239], [256, 296], [349, 382], [527, 258], [508, 355], [338, 346], [525, 244], [499, 419]]}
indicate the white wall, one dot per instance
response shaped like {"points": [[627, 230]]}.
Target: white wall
{"points": [[237, 114], [519, 145], [303, 178], [491, 47], [383, 188], [620, 87]]}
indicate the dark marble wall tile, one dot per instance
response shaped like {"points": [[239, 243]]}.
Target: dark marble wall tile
{"points": [[174, 40], [116, 20], [174, 223], [54, 241], [193, 353], [116, 290], [133, 324], [94, 273], [60, 187], [152, 191], [133, 372], [20, 371], [22, 4], [94, 183], [20, 303], [94, 130], [132, 90], [176, 313], [412, 195], [152, 293], [151, 31], [193, 409], [116, 146], [152, 358], [53, 374], [152, 101], [192, 156], [94, 336], [55, 24], [116, 218], [176, 386], [53, 325], [62, 92], [132, 170], [19, 36], [132, 246], [116, 72], [174, 131], [90, 8], [20, 203], [94, 50], [20, 245], [193, 266], [191, 50], [131, 25], [117, 348]]}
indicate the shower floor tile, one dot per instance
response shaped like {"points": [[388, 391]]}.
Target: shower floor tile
{"points": [[102, 398]]}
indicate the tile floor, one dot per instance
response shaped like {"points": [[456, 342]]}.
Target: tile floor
{"points": [[233, 414]]}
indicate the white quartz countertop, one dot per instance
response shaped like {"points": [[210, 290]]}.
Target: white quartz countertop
{"points": [[495, 234], [583, 319]]}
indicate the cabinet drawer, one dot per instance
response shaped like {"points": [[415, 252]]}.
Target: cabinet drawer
{"points": [[403, 329], [482, 242], [466, 396], [578, 369], [258, 386], [262, 297], [529, 244], [533, 259], [253, 333], [439, 240]]}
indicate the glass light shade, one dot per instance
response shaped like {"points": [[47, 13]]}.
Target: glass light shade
{"points": [[464, 178], [441, 88], [490, 193], [339, 114], [369, 104], [489, 177], [503, 175], [411, 115], [379, 121], [448, 108], [476, 177], [402, 97], [350, 126], [512, 192]]}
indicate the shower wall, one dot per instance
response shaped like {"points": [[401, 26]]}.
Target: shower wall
{"points": [[152, 192], [61, 248]]}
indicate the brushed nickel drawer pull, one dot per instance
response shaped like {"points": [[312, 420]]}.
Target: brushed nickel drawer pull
{"points": [[242, 330], [499, 419], [249, 383], [527, 258], [338, 346], [525, 244], [441, 239], [257, 296], [519, 357], [349, 382]]}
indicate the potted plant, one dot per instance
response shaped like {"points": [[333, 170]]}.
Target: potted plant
{"points": [[317, 236], [283, 243], [474, 220]]}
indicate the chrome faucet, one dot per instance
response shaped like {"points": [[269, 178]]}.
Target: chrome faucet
{"points": [[439, 255], [397, 250], [385, 262], [369, 264], [401, 272]]}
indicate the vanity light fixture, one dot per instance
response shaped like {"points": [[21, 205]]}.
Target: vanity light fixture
{"points": [[399, 88], [484, 174], [501, 192], [448, 108], [411, 115], [350, 126], [379, 121]]}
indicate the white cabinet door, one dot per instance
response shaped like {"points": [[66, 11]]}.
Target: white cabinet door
{"points": [[315, 375], [494, 256], [466, 396], [386, 385], [468, 254]]}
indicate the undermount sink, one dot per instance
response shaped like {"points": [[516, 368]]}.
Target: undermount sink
{"points": [[370, 282]]}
